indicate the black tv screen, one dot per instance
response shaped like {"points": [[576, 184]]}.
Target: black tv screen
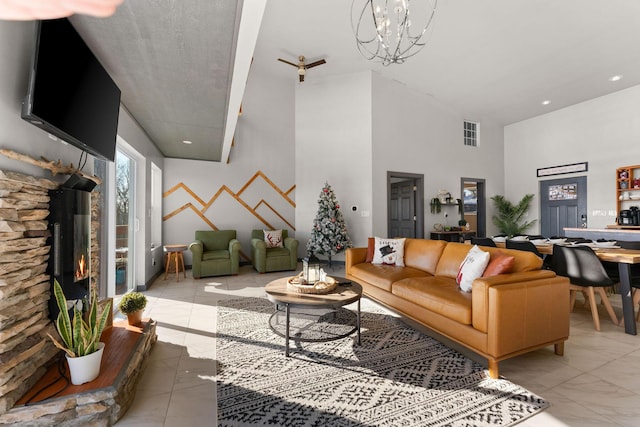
{"points": [[70, 94]]}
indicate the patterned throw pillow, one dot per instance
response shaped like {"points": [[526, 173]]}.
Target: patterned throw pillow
{"points": [[273, 238], [472, 267], [389, 251]]}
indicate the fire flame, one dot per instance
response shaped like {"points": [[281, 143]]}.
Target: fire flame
{"points": [[81, 271]]}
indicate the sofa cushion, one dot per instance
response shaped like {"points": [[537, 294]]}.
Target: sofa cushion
{"points": [[382, 276], [423, 254], [451, 259], [389, 251], [438, 294], [219, 254], [275, 252]]}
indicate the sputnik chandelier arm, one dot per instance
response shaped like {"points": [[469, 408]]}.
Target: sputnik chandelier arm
{"points": [[391, 31]]}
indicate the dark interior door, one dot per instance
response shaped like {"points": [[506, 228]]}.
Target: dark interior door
{"points": [[563, 203], [403, 209]]}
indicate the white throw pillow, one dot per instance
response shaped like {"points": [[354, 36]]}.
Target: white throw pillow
{"points": [[389, 251], [273, 238], [472, 267]]}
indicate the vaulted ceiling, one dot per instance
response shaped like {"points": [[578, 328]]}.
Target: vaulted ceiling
{"points": [[498, 60]]}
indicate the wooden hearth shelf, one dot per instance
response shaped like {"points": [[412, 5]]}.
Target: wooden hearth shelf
{"points": [[126, 351], [120, 342]]}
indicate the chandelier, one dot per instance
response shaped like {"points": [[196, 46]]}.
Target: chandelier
{"points": [[387, 31]]}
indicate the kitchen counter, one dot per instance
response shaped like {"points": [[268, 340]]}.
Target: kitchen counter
{"points": [[628, 234]]}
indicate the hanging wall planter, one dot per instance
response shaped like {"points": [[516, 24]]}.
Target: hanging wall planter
{"points": [[436, 205]]}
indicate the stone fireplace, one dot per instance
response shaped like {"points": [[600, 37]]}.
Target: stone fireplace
{"points": [[25, 349]]}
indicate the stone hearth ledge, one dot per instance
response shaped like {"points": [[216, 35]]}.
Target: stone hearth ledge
{"points": [[98, 407]]}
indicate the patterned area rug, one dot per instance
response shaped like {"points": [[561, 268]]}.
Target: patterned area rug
{"points": [[397, 376]]}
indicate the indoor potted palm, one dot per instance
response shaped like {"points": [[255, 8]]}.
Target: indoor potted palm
{"points": [[509, 217], [133, 304], [80, 337]]}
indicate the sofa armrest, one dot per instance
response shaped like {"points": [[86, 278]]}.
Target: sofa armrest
{"points": [[521, 310], [258, 244], [196, 248], [354, 256], [234, 255], [292, 244], [234, 246]]}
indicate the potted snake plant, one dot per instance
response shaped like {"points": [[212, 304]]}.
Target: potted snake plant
{"points": [[80, 337]]}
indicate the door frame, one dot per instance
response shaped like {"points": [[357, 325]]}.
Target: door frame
{"points": [[418, 181], [481, 203]]}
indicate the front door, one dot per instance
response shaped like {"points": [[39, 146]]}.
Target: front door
{"points": [[403, 209], [563, 203], [405, 205]]}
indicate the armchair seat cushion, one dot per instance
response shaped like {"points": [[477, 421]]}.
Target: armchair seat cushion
{"points": [[219, 254], [275, 252]]}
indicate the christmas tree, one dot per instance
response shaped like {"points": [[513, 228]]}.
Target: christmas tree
{"points": [[329, 232]]}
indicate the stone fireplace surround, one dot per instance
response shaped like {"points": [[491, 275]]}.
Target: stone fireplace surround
{"points": [[25, 350]]}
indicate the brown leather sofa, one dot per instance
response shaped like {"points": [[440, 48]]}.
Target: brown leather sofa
{"points": [[504, 315]]}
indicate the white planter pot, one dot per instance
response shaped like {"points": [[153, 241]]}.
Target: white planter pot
{"points": [[85, 368]]}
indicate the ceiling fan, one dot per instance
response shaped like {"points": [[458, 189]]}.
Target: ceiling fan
{"points": [[302, 67]]}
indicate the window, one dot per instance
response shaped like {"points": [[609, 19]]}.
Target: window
{"points": [[156, 206], [471, 134]]}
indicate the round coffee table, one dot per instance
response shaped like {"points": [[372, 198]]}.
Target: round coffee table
{"points": [[318, 317]]}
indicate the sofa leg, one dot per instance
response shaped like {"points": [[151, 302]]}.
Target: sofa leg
{"points": [[559, 348], [493, 369]]}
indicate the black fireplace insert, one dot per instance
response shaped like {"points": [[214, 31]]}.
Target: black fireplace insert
{"points": [[69, 260]]}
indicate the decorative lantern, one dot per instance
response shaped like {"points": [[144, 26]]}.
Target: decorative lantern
{"points": [[311, 269]]}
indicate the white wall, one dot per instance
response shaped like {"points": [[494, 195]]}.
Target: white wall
{"points": [[264, 141], [333, 144], [414, 133], [604, 132]]}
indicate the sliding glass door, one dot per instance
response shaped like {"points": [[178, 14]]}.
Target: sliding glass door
{"points": [[125, 222]]}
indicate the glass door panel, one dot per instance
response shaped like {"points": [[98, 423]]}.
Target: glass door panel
{"points": [[125, 222]]}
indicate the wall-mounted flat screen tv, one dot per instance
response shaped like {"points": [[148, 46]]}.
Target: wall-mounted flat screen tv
{"points": [[70, 95]]}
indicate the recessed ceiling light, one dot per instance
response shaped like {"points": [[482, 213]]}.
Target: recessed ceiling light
{"points": [[187, 142], [615, 78], [546, 102]]}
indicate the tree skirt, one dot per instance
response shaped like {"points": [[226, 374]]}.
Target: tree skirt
{"points": [[398, 376]]}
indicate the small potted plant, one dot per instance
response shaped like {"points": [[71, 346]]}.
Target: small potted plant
{"points": [[80, 337], [133, 304]]}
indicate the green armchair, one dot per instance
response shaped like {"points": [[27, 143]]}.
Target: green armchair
{"points": [[215, 253], [273, 259]]}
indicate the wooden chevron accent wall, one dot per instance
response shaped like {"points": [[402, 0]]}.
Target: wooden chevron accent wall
{"points": [[200, 206]]}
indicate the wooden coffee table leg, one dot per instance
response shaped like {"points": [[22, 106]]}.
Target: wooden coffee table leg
{"points": [[286, 333], [358, 322]]}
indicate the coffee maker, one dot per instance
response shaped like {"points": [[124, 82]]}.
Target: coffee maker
{"points": [[629, 216]]}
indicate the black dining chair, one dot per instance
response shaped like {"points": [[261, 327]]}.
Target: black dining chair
{"points": [[522, 245], [587, 275], [483, 241]]}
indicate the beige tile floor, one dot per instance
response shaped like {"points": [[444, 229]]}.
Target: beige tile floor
{"points": [[596, 382]]}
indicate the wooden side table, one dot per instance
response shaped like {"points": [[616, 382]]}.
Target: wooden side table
{"points": [[174, 253]]}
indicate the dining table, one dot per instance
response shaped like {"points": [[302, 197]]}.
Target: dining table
{"points": [[624, 258]]}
